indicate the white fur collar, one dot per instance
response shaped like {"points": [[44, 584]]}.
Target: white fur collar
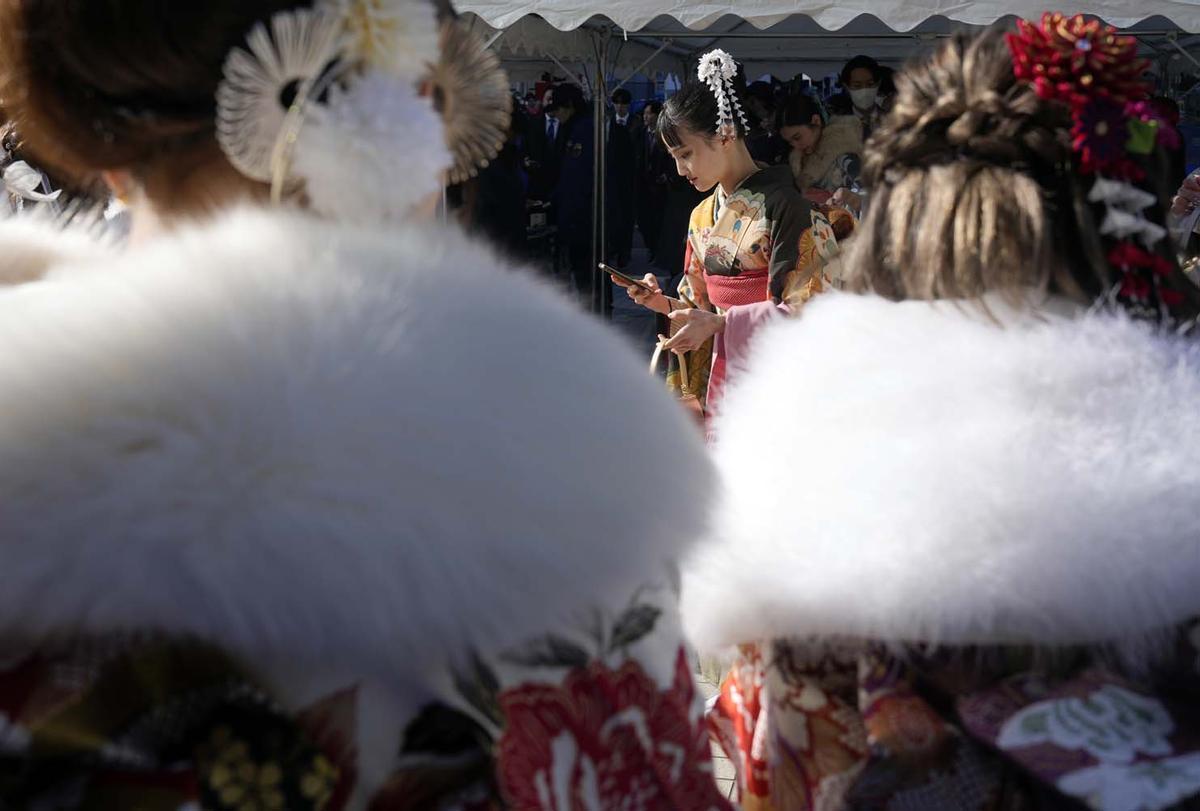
{"points": [[316, 443], [916, 472]]}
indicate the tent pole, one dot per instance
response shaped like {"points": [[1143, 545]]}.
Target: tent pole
{"points": [[1181, 50], [599, 171], [570, 73]]}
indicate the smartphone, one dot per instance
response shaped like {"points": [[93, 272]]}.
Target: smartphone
{"points": [[633, 280]]}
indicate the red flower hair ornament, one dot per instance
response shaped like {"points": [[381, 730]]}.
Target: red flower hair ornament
{"points": [[1096, 72]]}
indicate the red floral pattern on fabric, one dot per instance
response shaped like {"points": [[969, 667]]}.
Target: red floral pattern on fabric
{"points": [[606, 739]]}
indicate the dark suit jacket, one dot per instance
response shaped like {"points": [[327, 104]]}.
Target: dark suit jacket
{"points": [[543, 160]]}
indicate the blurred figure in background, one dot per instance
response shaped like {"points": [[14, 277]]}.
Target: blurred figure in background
{"points": [[493, 202], [573, 191], [763, 141], [654, 168], [621, 179], [826, 154], [544, 137]]}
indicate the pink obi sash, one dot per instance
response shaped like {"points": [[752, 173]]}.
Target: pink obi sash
{"points": [[731, 291]]}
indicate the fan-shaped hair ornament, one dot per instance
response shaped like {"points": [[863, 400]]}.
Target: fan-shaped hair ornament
{"points": [[260, 84], [470, 89]]}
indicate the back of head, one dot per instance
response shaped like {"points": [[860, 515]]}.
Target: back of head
{"points": [[197, 104], [96, 85], [569, 96], [977, 187]]}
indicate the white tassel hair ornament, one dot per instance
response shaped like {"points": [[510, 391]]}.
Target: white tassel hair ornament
{"points": [[718, 70]]}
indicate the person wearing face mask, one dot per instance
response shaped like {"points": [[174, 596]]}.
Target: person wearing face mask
{"points": [[860, 92]]}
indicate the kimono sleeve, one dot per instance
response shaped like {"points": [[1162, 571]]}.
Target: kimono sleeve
{"points": [[790, 217]]}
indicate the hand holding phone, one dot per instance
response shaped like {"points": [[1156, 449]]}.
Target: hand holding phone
{"points": [[625, 280]]}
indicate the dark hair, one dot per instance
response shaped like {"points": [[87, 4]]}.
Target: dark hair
{"points": [[798, 110], [655, 105], [763, 91], [860, 61], [694, 108], [569, 95], [887, 81], [1167, 107], [622, 96]]}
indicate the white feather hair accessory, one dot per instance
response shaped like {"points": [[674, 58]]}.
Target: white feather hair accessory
{"points": [[718, 70], [326, 99], [379, 121]]}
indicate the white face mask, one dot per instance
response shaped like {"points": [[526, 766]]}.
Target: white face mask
{"points": [[864, 98]]}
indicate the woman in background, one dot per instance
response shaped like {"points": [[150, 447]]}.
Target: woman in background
{"points": [[745, 255], [826, 155]]}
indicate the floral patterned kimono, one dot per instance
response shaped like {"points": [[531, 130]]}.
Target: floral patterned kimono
{"points": [[264, 548], [750, 253], [960, 574]]}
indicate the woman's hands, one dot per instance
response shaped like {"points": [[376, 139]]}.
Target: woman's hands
{"points": [[844, 198], [651, 299], [695, 328]]}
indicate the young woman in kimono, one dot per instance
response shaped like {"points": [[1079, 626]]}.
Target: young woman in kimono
{"points": [[956, 547], [311, 502], [755, 246]]}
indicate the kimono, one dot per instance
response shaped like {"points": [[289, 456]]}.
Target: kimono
{"points": [[970, 581], [290, 524], [761, 248]]}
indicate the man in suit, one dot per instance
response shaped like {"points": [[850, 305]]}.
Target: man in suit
{"points": [[620, 180], [654, 170], [544, 139]]}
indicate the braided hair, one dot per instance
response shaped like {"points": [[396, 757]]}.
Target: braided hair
{"points": [[974, 190]]}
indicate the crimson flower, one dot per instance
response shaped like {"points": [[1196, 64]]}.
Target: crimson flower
{"points": [[1099, 137], [1073, 59]]}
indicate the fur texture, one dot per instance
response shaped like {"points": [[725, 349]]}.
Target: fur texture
{"points": [[842, 134], [34, 242], [918, 472], [322, 446]]}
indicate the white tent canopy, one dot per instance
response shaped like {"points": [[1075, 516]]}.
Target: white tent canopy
{"points": [[899, 15], [531, 45], [666, 36]]}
